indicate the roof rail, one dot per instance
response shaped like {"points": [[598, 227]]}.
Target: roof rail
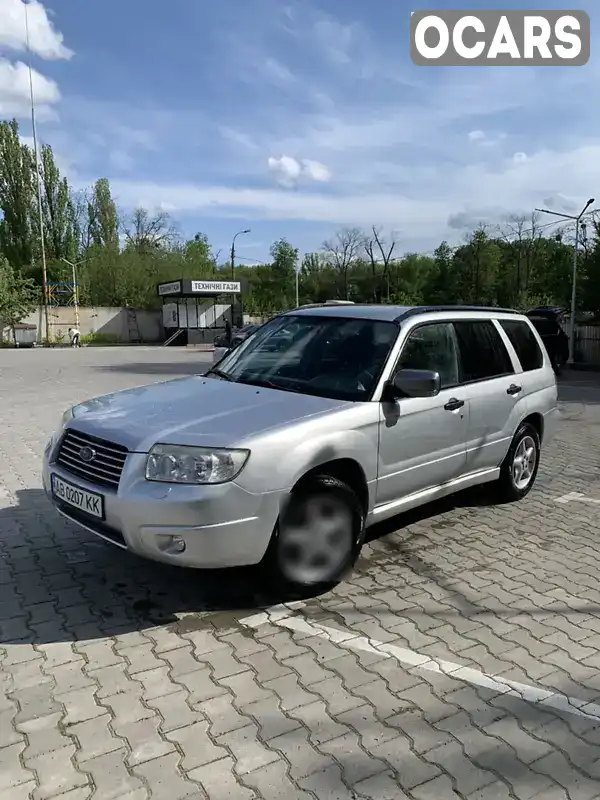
{"points": [[411, 312]]}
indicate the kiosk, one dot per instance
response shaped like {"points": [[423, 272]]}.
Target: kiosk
{"points": [[195, 311]]}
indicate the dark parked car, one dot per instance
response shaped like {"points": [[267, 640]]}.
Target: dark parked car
{"points": [[548, 323], [237, 336]]}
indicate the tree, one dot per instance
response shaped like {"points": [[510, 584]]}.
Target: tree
{"points": [[198, 258], [441, 280], [19, 296], [342, 250], [146, 232], [103, 219], [58, 211], [17, 196], [379, 252]]}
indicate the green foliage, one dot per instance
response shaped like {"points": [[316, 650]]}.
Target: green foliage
{"points": [[99, 339], [19, 296], [120, 258]]}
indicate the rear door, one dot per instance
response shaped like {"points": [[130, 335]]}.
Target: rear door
{"points": [[537, 378], [496, 398]]}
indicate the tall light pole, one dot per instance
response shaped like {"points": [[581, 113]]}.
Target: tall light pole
{"points": [[577, 220], [239, 233], [75, 286], [298, 286], [39, 181]]}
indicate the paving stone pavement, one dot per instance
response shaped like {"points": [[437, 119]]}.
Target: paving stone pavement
{"points": [[123, 679]]}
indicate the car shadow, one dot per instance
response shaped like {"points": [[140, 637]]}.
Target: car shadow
{"points": [[61, 583]]}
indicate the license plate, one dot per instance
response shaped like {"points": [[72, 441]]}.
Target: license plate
{"points": [[88, 502]]}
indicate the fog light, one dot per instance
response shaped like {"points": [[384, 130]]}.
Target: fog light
{"points": [[177, 544]]}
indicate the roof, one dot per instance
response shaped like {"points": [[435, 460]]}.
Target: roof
{"points": [[388, 313]]}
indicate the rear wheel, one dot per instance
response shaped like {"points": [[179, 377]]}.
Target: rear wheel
{"points": [[317, 538], [520, 467]]}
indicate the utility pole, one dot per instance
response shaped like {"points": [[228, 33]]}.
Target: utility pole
{"points": [[39, 183], [577, 220]]}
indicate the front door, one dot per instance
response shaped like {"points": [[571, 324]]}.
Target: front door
{"points": [[422, 440]]}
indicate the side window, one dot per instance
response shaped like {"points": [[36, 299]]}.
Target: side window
{"points": [[525, 344], [482, 351], [432, 347]]}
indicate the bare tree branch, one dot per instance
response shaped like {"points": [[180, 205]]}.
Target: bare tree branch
{"points": [[343, 250]]}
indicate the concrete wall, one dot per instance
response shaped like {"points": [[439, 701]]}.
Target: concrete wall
{"points": [[114, 323]]}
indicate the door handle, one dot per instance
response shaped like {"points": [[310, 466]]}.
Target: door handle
{"points": [[513, 389], [453, 404]]}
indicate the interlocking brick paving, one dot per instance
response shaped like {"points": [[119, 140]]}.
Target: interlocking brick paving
{"points": [[120, 678]]}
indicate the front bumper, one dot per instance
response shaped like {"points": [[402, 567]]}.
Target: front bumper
{"points": [[221, 526]]}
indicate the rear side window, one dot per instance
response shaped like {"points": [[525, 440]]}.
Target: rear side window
{"points": [[523, 340], [482, 351]]}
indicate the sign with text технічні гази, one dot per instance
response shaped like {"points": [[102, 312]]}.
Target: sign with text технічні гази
{"points": [[459, 38], [216, 287]]}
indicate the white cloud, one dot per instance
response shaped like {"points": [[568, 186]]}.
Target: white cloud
{"points": [[433, 205], [45, 41], [14, 90], [316, 171], [476, 136], [520, 158], [288, 171]]}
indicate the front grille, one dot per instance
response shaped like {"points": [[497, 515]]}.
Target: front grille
{"points": [[107, 465]]}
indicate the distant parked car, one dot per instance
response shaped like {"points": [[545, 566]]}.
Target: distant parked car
{"points": [[223, 344], [547, 322]]}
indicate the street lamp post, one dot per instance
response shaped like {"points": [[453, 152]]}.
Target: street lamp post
{"points": [[75, 286], [577, 219], [239, 233]]}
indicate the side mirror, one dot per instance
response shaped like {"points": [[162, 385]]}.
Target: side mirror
{"points": [[416, 383]]}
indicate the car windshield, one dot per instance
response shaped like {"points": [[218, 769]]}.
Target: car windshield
{"points": [[545, 326], [337, 357]]}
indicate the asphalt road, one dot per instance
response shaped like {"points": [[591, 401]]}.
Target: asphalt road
{"points": [[459, 661]]}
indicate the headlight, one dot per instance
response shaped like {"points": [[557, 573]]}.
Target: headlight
{"points": [[57, 432], [68, 415], [172, 463]]}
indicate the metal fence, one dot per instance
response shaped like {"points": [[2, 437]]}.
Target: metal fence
{"points": [[587, 344]]}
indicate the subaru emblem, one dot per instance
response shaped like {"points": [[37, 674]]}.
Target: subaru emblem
{"points": [[87, 454]]}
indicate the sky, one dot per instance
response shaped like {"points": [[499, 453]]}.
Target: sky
{"points": [[295, 119]]}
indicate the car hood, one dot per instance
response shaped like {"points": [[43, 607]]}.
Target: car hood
{"points": [[195, 410]]}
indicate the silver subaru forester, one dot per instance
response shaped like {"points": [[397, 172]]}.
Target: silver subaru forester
{"points": [[326, 420]]}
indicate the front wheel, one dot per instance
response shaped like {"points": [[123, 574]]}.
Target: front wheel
{"points": [[520, 467], [317, 537]]}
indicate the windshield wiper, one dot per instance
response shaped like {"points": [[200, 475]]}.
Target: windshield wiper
{"points": [[268, 384], [220, 374]]}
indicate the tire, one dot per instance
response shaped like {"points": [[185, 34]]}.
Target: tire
{"points": [[292, 563], [509, 488]]}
